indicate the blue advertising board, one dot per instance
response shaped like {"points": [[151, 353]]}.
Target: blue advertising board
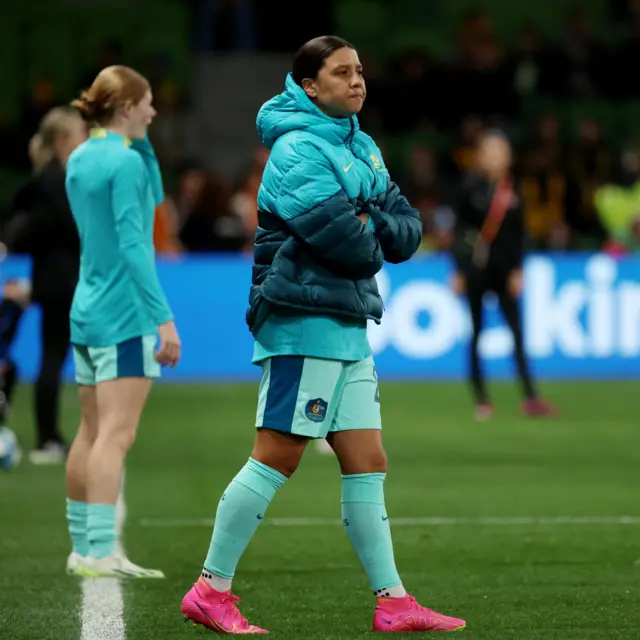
{"points": [[581, 315]]}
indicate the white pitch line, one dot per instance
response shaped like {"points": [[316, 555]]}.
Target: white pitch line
{"points": [[102, 598], [409, 522], [102, 610]]}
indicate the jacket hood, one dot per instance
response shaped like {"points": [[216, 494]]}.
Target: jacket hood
{"points": [[292, 110]]}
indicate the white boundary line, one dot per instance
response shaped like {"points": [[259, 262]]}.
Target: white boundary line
{"points": [[161, 523], [102, 609]]}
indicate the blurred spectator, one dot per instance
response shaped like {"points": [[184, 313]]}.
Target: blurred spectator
{"points": [[527, 69], [543, 185], [590, 164], [165, 236], [244, 202], [42, 100], [481, 80], [438, 219], [464, 152], [475, 28], [583, 58], [423, 170], [427, 190], [191, 182], [208, 224]]}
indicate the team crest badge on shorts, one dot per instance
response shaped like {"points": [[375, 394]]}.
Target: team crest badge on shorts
{"points": [[316, 410]]}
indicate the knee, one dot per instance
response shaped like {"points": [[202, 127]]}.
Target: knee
{"points": [[124, 440], [284, 464], [376, 462], [288, 467], [120, 440], [86, 433], [279, 451]]}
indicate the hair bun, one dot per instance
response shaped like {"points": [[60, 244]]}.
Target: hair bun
{"points": [[86, 106]]}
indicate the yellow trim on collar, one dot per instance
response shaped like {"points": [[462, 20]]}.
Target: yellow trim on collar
{"points": [[100, 132]]}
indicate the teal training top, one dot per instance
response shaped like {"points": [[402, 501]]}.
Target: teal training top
{"points": [[114, 185]]}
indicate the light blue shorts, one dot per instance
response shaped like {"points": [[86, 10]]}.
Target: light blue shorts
{"points": [[312, 396], [133, 358]]}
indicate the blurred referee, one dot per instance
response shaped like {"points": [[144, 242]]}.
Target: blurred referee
{"points": [[488, 250]]}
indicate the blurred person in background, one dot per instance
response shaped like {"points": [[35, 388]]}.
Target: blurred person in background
{"points": [[438, 219], [329, 215], [581, 58], [527, 68], [119, 311], [422, 172], [244, 201], [43, 227], [209, 225], [488, 251], [464, 153], [165, 232], [16, 293], [590, 163], [191, 180], [543, 185], [41, 100]]}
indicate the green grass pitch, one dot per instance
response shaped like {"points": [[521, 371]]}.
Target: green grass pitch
{"points": [[512, 578]]}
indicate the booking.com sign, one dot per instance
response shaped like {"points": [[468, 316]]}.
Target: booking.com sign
{"points": [[581, 316]]}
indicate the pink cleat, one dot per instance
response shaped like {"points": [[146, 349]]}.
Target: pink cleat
{"points": [[215, 610], [400, 615], [484, 411], [538, 408]]}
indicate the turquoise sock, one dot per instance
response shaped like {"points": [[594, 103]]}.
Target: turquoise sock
{"points": [[239, 514], [101, 524], [365, 520], [77, 519]]}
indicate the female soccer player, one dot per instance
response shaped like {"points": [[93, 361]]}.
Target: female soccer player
{"points": [[114, 185], [488, 251], [328, 217]]}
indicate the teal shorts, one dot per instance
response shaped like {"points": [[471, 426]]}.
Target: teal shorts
{"points": [[133, 358], [313, 397]]}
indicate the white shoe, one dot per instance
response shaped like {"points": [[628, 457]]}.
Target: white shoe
{"points": [[117, 567], [76, 564], [51, 453], [323, 447]]}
